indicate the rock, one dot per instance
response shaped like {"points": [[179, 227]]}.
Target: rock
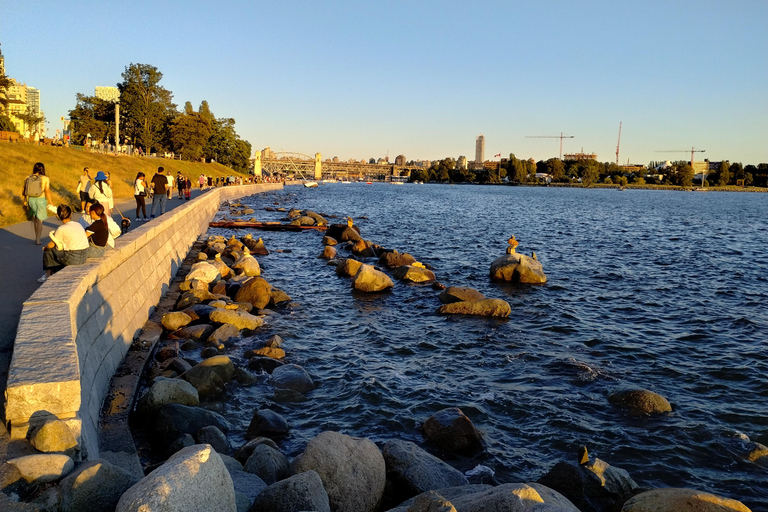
{"points": [[363, 249], [178, 364], [225, 334], [304, 221], [213, 436], [274, 341], [196, 332], [247, 265], [238, 318], [348, 268], [452, 431], [277, 297], [219, 288], [319, 219], [175, 420], [349, 234], [193, 479], [640, 402], [496, 308], [94, 485], [294, 214], [267, 463], [244, 452], [431, 501], [352, 470], [303, 491], [42, 468], [180, 442], [257, 291], [248, 484], [263, 363], [327, 240], [206, 380], [255, 246], [232, 463], [201, 256], [681, 500], [283, 396], [175, 320], [414, 274], [224, 271], [394, 259], [198, 312], [329, 253], [203, 271], [370, 280], [274, 353], [757, 453], [53, 436], [166, 353], [515, 497], [412, 471], [592, 486], [167, 391], [266, 423], [447, 493], [517, 268], [292, 376], [459, 294]]}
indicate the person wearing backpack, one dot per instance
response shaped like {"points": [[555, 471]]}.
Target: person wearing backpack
{"points": [[36, 196]]}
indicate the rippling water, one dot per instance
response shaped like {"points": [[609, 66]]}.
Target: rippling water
{"points": [[660, 290]]}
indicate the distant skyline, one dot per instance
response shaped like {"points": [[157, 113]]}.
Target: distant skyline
{"points": [[423, 78]]}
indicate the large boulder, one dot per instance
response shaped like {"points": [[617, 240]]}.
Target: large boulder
{"points": [[267, 463], [196, 332], [267, 423], [518, 268], [175, 320], [352, 470], [414, 274], [343, 232], [292, 376], [515, 497], [225, 334], [497, 308], [640, 402], [459, 294], [53, 436], [193, 479], [247, 483], [364, 249], [447, 493], [255, 246], [224, 271], [395, 259], [42, 468], [167, 391], [348, 268], [203, 271], [247, 265], [213, 436], [453, 431], [681, 500], [236, 317], [175, 420], [303, 491], [211, 375], [370, 280], [94, 485], [277, 297], [257, 291], [411, 471]]}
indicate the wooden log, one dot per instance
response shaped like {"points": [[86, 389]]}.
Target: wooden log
{"points": [[266, 226]]}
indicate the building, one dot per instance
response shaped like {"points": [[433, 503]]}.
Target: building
{"points": [[462, 163], [17, 104], [579, 156], [267, 154], [491, 166], [480, 150], [400, 160]]}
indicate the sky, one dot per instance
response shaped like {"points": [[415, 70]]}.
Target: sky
{"points": [[362, 79]]}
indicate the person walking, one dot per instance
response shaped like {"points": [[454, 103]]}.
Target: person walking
{"points": [[159, 189], [36, 195], [100, 191], [187, 189], [140, 194], [180, 184], [201, 182], [68, 245], [83, 185], [170, 180]]}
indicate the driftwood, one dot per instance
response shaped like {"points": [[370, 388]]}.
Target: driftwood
{"points": [[266, 226]]}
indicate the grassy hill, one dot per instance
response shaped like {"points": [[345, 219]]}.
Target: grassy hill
{"points": [[64, 166]]}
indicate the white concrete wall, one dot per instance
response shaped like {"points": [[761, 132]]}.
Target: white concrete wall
{"points": [[76, 328]]}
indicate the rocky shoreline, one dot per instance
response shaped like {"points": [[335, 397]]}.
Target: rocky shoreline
{"points": [[224, 297]]}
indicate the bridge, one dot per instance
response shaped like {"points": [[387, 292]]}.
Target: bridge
{"points": [[301, 166]]}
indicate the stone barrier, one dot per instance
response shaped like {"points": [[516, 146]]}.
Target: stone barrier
{"points": [[76, 328]]}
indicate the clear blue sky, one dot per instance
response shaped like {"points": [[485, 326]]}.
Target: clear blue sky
{"points": [[358, 79]]}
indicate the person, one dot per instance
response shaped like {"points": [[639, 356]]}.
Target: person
{"points": [[140, 193], [111, 204], [102, 192], [97, 232], [82, 188], [37, 137], [36, 194], [187, 189], [169, 190], [201, 181], [180, 184], [68, 245], [159, 189]]}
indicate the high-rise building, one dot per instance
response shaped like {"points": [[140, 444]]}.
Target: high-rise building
{"points": [[400, 160], [480, 149]]}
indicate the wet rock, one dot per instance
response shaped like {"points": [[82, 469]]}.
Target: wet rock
{"points": [[497, 308], [198, 312], [411, 470], [517, 268], [459, 294], [364, 249], [208, 352], [283, 396], [370, 280], [255, 246], [53, 436], [175, 420], [349, 234], [257, 291], [274, 353], [414, 274], [304, 221], [197, 333], [319, 219], [175, 320], [431, 501], [193, 479], [303, 491], [224, 271], [247, 265], [327, 240], [177, 364], [244, 452], [292, 376], [453, 431], [225, 334], [352, 470], [94, 485], [278, 297], [247, 483], [348, 268], [329, 253], [213, 436], [42, 468], [237, 318], [263, 363], [640, 402], [274, 341], [203, 271], [266, 423], [681, 500], [757, 453], [267, 463], [395, 259], [167, 391]]}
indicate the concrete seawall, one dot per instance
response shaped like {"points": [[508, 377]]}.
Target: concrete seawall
{"points": [[76, 328]]}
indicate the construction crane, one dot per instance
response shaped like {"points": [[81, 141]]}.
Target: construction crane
{"points": [[561, 137], [618, 144], [693, 150]]}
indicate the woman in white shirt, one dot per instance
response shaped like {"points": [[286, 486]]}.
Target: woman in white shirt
{"points": [[140, 194], [68, 245], [101, 192]]}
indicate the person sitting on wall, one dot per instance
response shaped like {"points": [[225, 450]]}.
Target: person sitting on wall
{"points": [[98, 231], [68, 245]]}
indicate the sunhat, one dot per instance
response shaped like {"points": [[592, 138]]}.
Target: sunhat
{"points": [[101, 176]]}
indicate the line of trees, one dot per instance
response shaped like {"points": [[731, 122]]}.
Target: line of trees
{"points": [[150, 120]]}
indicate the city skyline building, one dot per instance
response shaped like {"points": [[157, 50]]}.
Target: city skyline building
{"points": [[480, 149]]}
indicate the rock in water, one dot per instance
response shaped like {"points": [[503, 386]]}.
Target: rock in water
{"points": [[238, 318], [303, 491], [452, 431], [348, 268], [459, 294], [485, 307], [167, 391], [268, 424], [267, 463], [394, 259], [94, 485], [640, 401], [257, 291], [370, 280], [414, 274], [327, 240], [255, 246], [175, 420], [352, 470], [193, 479], [291, 376], [328, 253], [518, 268], [681, 500]]}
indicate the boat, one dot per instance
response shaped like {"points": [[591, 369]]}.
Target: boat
{"points": [[369, 183], [398, 183], [310, 184], [330, 181]]}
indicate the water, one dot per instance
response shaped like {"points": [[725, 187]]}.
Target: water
{"points": [[659, 290]]}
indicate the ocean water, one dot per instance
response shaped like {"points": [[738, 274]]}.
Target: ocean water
{"points": [[653, 289]]}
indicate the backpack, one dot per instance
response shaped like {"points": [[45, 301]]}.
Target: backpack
{"points": [[33, 186]]}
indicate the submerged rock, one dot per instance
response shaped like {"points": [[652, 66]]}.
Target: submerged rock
{"points": [[459, 294], [395, 259], [486, 307], [266, 423], [291, 376], [640, 401], [453, 431]]}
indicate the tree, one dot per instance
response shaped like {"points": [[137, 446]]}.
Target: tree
{"points": [[225, 146], [555, 169], [724, 174], [31, 118], [588, 172], [681, 174], [190, 132], [6, 125], [147, 107], [5, 83], [91, 115]]}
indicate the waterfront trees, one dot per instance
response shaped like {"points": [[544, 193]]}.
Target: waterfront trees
{"points": [[724, 174], [91, 115], [147, 106], [190, 132]]}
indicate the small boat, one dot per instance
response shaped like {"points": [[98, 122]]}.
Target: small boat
{"points": [[330, 181], [310, 184], [369, 183], [398, 183]]}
